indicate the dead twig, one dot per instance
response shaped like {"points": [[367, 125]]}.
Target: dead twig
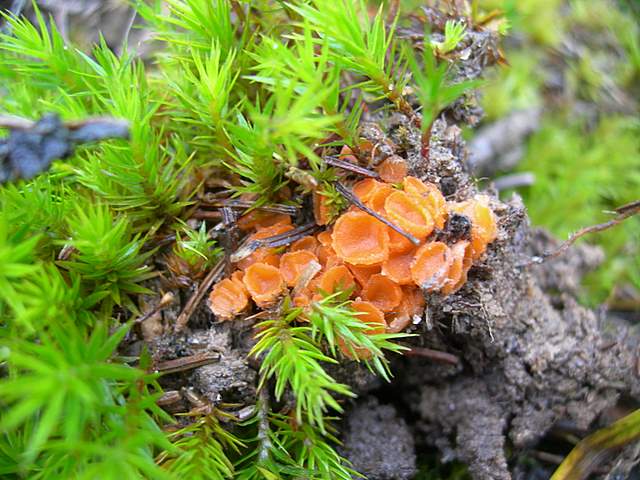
{"points": [[351, 197], [166, 300], [622, 213], [435, 355], [280, 240], [246, 204], [351, 167], [198, 295], [186, 363]]}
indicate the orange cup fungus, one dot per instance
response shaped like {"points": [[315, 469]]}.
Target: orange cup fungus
{"points": [[361, 254], [382, 292], [334, 279], [430, 266], [264, 283], [364, 189], [360, 239], [362, 273], [257, 219], [321, 209], [460, 264], [228, 298], [308, 243], [408, 214], [374, 318], [429, 197], [398, 267], [393, 169], [293, 264], [484, 229]]}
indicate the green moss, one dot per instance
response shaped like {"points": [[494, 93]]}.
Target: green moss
{"points": [[581, 174], [513, 87]]}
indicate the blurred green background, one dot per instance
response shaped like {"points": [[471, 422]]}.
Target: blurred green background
{"points": [[579, 61]]}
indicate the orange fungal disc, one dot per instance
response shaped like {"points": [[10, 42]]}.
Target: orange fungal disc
{"points": [[398, 267], [321, 209], [346, 155], [383, 292], [360, 239], [484, 229], [372, 316], [405, 212], [398, 243], [393, 169], [271, 231], [257, 219], [302, 299], [412, 306], [272, 259], [308, 243], [460, 264], [335, 279], [364, 189], [379, 197], [228, 299], [264, 283], [237, 277], [324, 238], [293, 264], [262, 254], [430, 197], [327, 257], [430, 266], [362, 273], [415, 187]]}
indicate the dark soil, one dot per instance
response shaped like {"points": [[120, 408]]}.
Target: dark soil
{"points": [[530, 355]]}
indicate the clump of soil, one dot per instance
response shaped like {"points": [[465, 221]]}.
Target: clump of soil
{"points": [[520, 353], [378, 441]]}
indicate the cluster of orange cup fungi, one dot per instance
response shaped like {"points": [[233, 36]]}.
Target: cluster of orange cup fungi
{"points": [[385, 272]]}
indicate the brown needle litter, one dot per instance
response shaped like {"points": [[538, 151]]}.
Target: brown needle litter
{"points": [[351, 167], [214, 275], [280, 240]]}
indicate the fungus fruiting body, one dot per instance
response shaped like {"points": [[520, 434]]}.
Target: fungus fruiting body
{"points": [[382, 292], [264, 283], [393, 169], [385, 273], [430, 266], [228, 298], [360, 239]]}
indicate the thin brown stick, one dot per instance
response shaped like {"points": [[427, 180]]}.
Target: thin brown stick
{"points": [[187, 363], [166, 300], [351, 197], [351, 167], [394, 8], [245, 204], [15, 123], [280, 240], [622, 213], [435, 355], [198, 295], [18, 123], [170, 400], [206, 215]]}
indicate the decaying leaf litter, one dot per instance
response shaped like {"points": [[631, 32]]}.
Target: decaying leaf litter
{"points": [[524, 356]]}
